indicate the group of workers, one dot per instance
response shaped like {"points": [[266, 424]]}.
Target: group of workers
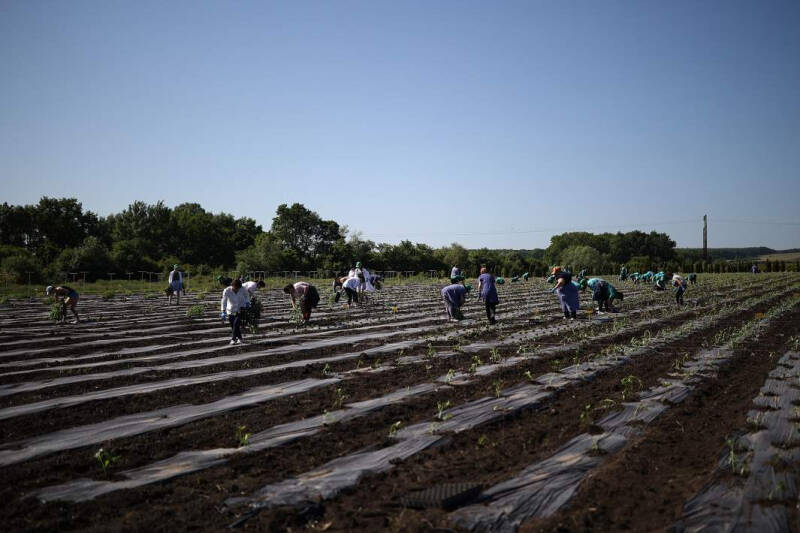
{"points": [[238, 296]]}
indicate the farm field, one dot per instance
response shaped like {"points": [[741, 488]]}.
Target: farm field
{"points": [[389, 417]]}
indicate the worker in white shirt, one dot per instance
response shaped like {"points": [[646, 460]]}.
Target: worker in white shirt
{"points": [[350, 286], [176, 284], [250, 312], [305, 295], [233, 300]]}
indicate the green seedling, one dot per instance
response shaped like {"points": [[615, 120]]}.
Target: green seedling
{"points": [[106, 458], [430, 353], [476, 362], [449, 377], [529, 375], [339, 398], [326, 370], [498, 387], [483, 440], [630, 384], [441, 407], [394, 428], [195, 311], [494, 356], [587, 417], [242, 436]]}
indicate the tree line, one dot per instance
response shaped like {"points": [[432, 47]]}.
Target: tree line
{"points": [[57, 236]]}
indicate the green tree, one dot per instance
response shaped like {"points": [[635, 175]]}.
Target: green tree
{"points": [[305, 233]]}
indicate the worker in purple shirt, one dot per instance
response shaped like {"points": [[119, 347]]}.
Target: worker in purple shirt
{"points": [[454, 296], [488, 293]]}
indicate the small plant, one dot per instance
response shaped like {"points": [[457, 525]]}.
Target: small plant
{"points": [[449, 377], [494, 356], [106, 458], [195, 311], [394, 428], [430, 353], [108, 295], [326, 370], [242, 436], [483, 440], [777, 490], [441, 407], [529, 375], [476, 362], [587, 417], [630, 384], [498, 387], [339, 398], [555, 365]]}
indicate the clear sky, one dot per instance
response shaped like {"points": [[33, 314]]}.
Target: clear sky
{"points": [[487, 123]]}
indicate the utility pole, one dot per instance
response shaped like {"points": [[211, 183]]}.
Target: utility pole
{"points": [[705, 237]]}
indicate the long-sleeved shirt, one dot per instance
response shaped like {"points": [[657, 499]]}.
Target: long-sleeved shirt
{"points": [[233, 301], [351, 283], [172, 276], [250, 287]]}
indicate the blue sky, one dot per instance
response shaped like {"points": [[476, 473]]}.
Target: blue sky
{"points": [[487, 123]]}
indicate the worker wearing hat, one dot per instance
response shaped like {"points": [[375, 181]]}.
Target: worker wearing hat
{"points": [[70, 299]]}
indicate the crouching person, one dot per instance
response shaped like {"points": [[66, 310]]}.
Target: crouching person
{"points": [[680, 285], [303, 295], [454, 296], [234, 300], [69, 298]]}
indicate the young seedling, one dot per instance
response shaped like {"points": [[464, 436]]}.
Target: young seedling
{"points": [[476, 362], [498, 388], [242, 436], [394, 428], [586, 417], [449, 377], [529, 375], [630, 384], [431, 352], [326, 370], [441, 407], [339, 398], [494, 356], [105, 458]]}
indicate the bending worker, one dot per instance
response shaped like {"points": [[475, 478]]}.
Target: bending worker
{"points": [[567, 293], [70, 299], [454, 296], [303, 295]]}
